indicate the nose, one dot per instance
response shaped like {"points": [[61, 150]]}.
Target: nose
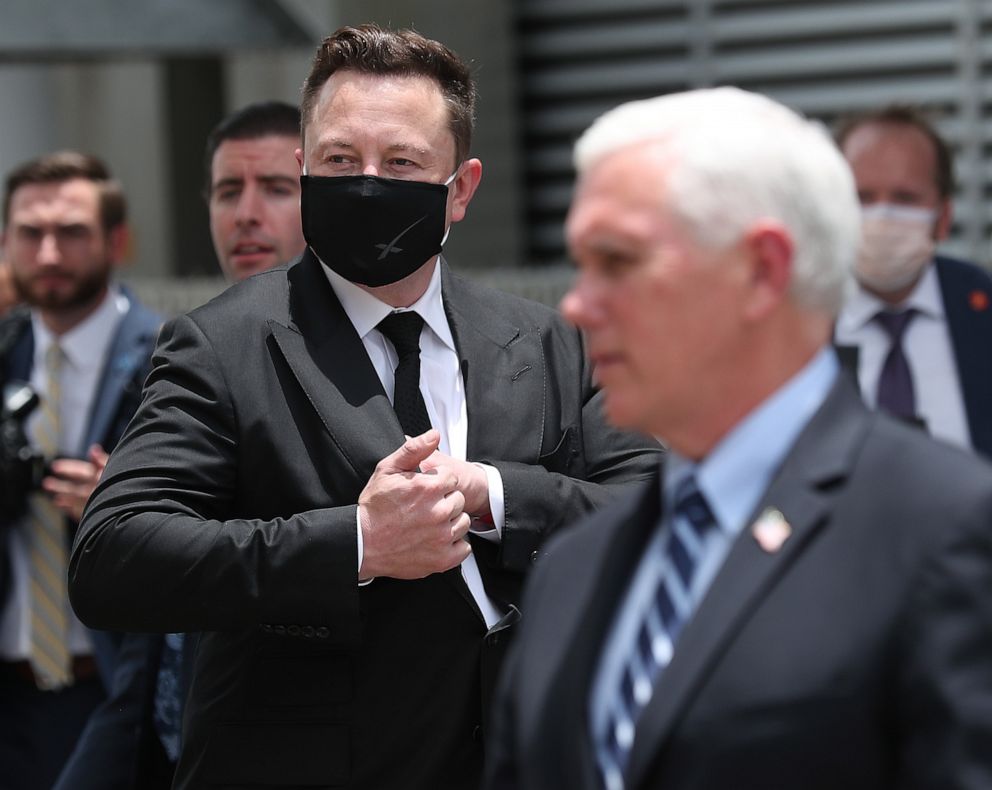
{"points": [[371, 169], [579, 305], [248, 211], [48, 250]]}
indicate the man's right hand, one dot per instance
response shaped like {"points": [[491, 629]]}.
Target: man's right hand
{"points": [[413, 523]]}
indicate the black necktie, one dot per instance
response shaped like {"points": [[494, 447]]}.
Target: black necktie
{"points": [[403, 331], [895, 384]]}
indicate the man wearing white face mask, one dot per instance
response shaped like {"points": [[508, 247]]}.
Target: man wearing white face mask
{"points": [[917, 331]]}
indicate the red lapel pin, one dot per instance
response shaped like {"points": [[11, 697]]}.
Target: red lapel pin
{"points": [[979, 300]]}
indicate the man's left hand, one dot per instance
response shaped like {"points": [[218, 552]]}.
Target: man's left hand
{"points": [[472, 482]]}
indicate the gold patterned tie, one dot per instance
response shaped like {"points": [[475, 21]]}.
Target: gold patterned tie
{"points": [[50, 657]]}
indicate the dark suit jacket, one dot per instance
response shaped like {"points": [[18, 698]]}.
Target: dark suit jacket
{"points": [[857, 656], [128, 361], [966, 290], [230, 508]]}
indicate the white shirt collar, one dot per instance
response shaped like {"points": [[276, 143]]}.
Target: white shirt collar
{"points": [[862, 307], [84, 345], [365, 311]]}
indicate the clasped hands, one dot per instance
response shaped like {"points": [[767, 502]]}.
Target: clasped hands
{"points": [[416, 509]]}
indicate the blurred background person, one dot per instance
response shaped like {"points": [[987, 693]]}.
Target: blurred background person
{"points": [[253, 189], [8, 293], [253, 194], [918, 329], [83, 346]]}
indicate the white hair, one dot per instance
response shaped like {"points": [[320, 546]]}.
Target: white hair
{"points": [[739, 157]]}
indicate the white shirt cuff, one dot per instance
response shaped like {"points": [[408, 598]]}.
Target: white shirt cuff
{"points": [[361, 547], [497, 508]]}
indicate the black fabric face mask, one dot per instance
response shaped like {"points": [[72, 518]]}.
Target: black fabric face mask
{"points": [[372, 230]]}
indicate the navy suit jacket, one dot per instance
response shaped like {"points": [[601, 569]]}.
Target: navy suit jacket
{"points": [[967, 293], [856, 656], [116, 750]]}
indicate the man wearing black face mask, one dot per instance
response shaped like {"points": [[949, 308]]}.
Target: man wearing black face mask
{"points": [[355, 589]]}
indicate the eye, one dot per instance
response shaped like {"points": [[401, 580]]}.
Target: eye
{"points": [[29, 234], [280, 190], [73, 233], [613, 263], [226, 194]]}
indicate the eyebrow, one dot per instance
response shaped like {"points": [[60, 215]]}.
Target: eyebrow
{"points": [[394, 148], [236, 181]]}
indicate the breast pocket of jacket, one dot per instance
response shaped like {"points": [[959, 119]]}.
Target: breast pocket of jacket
{"points": [[563, 457]]}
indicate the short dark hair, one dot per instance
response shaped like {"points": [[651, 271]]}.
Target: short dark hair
{"points": [[370, 49], [260, 119], [62, 166], [914, 117]]}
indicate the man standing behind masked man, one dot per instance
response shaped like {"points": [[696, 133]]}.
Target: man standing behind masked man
{"points": [[84, 347], [253, 195], [266, 496], [919, 328]]}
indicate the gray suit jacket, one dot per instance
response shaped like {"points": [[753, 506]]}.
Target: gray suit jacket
{"points": [[859, 655], [230, 508]]}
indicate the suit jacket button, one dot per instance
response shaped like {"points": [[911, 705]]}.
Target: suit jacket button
{"points": [[323, 632], [477, 733], [308, 632], [280, 629], [267, 627], [294, 630]]}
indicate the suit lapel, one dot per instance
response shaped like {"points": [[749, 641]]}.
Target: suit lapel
{"points": [[598, 579], [802, 492], [503, 367], [328, 360], [128, 354], [967, 303]]}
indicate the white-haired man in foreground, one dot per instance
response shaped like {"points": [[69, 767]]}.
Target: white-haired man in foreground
{"points": [[802, 598]]}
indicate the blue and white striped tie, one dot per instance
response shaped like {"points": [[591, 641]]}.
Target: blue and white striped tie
{"points": [[659, 631]]}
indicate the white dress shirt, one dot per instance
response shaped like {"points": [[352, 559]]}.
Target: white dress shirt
{"points": [[442, 386], [928, 349], [85, 348]]}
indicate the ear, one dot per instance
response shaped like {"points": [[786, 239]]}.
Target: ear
{"points": [[298, 153], [945, 216], [119, 244], [770, 253], [463, 188]]}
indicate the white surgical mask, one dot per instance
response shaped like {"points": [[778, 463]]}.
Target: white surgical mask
{"points": [[896, 244]]}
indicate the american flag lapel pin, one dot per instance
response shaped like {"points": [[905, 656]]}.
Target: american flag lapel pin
{"points": [[771, 530]]}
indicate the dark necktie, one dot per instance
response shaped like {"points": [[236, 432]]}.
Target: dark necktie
{"points": [[661, 626], [167, 712], [895, 384], [403, 331]]}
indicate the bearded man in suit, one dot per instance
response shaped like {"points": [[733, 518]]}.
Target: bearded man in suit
{"points": [[803, 597], [265, 494], [83, 343]]}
